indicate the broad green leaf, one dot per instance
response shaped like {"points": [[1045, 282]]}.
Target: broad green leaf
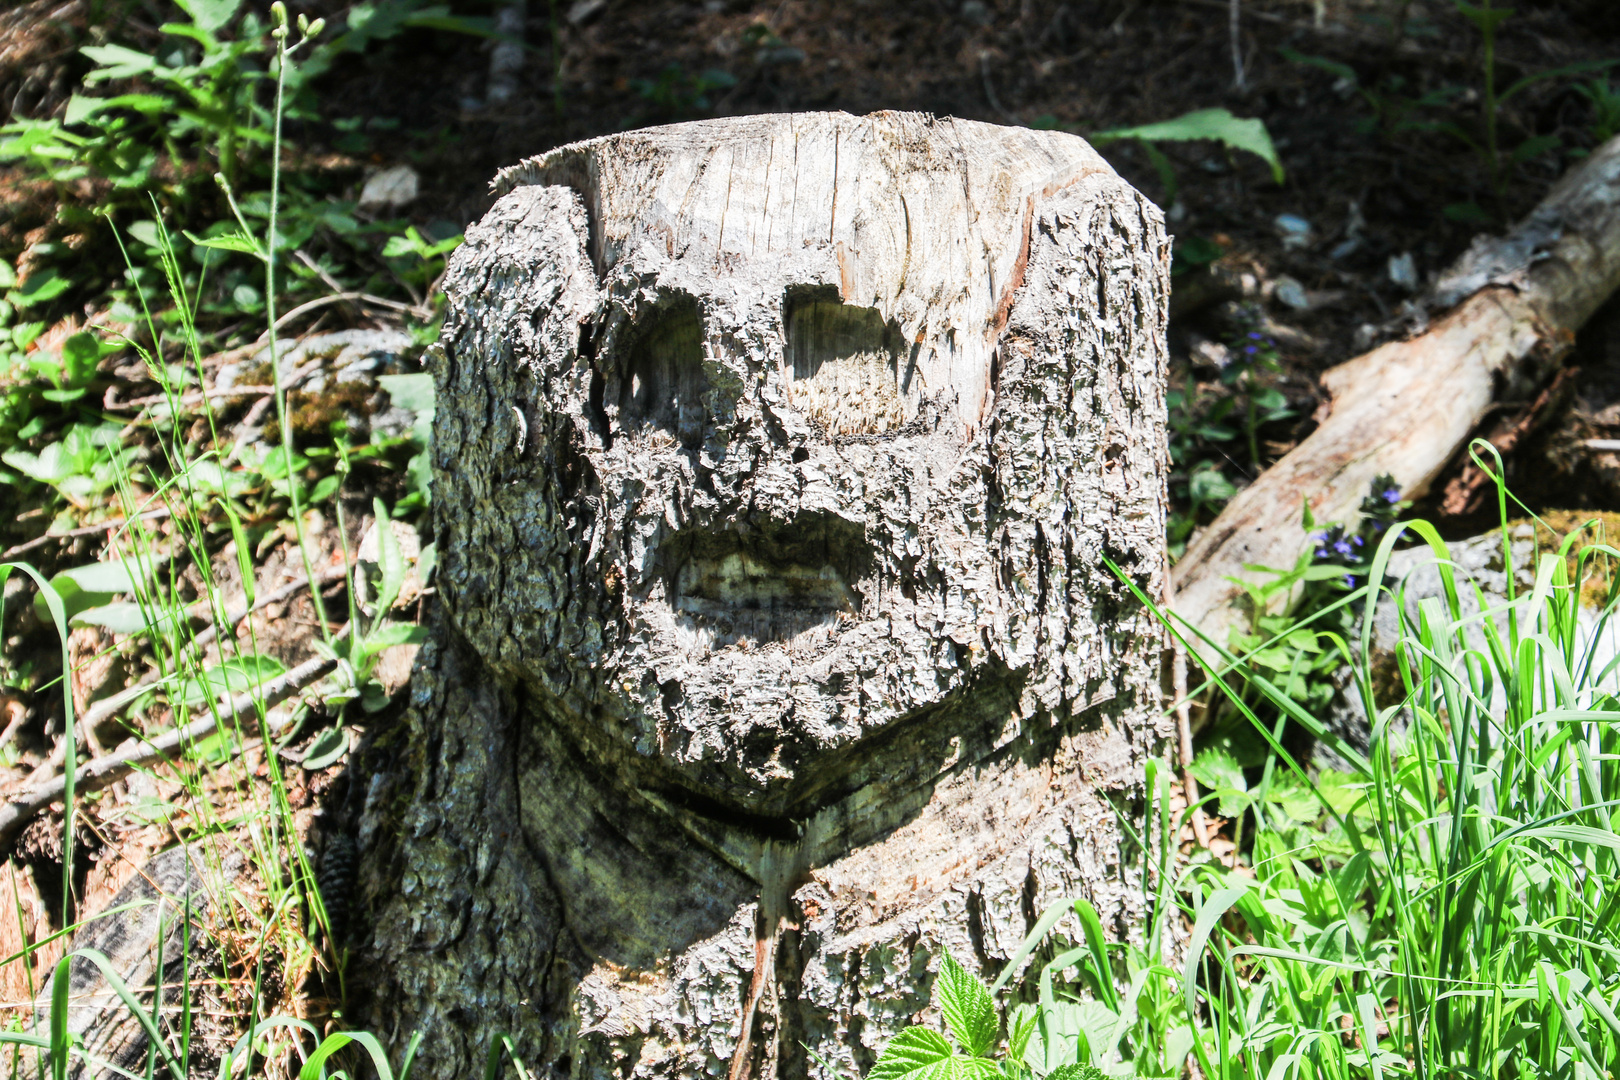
{"points": [[117, 62], [413, 392], [40, 288], [915, 1054], [1215, 907], [969, 1012], [237, 241], [1217, 124], [1020, 1026], [327, 748], [95, 585], [210, 15], [390, 634], [1218, 769], [80, 355], [234, 676], [1071, 1031], [244, 551], [390, 560], [125, 617]]}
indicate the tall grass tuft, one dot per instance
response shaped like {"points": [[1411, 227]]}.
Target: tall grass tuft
{"points": [[1447, 906]]}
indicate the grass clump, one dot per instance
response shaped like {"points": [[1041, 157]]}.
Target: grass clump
{"points": [[1445, 905]]}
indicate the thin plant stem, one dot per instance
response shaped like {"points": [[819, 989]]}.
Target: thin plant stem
{"points": [[283, 57]]}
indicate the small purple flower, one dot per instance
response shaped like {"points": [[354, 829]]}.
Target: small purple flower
{"points": [[1341, 547], [1356, 540], [1251, 349], [1321, 554], [1349, 581], [1254, 335], [1392, 495]]}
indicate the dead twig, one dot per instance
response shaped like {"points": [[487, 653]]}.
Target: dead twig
{"points": [[102, 771], [105, 709], [83, 530]]}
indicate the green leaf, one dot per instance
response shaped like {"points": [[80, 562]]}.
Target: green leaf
{"points": [[388, 635], [124, 617], [413, 392], [1077, 1072], [234, 676], [1217, 124], [1578, 68], [40, 288], [1533, 148], [95, 585], [1219, 771], [969, 1012], [237, 241], [80, 355], [390, 560], [1214, 908], [1020, 1026], [117, 62], [915, 1054], [327, 748], [1333, 67], [210, 15]]}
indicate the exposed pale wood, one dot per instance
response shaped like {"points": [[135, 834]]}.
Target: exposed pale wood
{"points": [[1408, 407], [775, 463]]}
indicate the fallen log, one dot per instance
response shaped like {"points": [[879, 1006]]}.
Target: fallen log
{"points": [[1408, 407]]}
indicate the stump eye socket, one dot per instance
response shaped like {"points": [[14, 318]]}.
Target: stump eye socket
{"points": [[844, 368], [664, 386]]}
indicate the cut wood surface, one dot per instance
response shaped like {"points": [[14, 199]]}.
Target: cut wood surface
{"points": [[1408, 407], [776, 460]]}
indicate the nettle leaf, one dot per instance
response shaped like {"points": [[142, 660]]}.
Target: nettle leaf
{"points": [[915, 1054], [969, 1011], [1077, 1072]]}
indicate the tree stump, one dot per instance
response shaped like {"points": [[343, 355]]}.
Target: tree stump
{"points": [[775, 460]]}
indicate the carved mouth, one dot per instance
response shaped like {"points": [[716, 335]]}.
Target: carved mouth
{"points": [[739, 582], [772, 586]]}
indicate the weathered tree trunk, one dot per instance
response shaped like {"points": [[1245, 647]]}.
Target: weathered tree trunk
{"points": [[1408, 407], [775, 463]]}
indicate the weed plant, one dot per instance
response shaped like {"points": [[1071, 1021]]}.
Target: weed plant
{"points": [[272, 921], [1444, 906]]}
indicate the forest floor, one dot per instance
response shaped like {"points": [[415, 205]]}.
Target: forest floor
{"points": [[1380, 112]]}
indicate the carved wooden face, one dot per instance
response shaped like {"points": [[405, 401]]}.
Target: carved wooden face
{"points": [[800, 522], [731, 491]]}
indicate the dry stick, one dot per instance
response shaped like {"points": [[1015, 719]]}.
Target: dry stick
{"points": [[106, 708], [102, 771], [1239, 83], [83, 530], [1407, 408], [188, 400]]}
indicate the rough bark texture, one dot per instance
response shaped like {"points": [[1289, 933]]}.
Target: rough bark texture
{"points": [[775, 463], [1407, 408]]}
